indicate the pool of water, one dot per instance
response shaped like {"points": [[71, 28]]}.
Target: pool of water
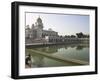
{"points": [[71, 51]]}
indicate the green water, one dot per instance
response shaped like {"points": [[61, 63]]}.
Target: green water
{"points": [[71, 51]]}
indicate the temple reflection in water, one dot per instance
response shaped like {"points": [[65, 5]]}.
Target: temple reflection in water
{"points": [[72, 51]]}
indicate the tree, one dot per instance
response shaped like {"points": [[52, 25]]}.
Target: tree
{"points": [[80, 35], [73, 36], [65, 36]]}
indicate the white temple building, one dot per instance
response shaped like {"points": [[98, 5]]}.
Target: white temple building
{"points": [[36, 31]]}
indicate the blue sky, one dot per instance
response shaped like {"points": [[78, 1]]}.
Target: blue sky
{"points": [[64, 24]]}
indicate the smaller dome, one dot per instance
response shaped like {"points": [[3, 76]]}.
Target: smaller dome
{"points": [[33, 26], [39, 20]]}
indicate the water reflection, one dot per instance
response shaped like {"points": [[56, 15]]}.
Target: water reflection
{"points": [[72, 51]]}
